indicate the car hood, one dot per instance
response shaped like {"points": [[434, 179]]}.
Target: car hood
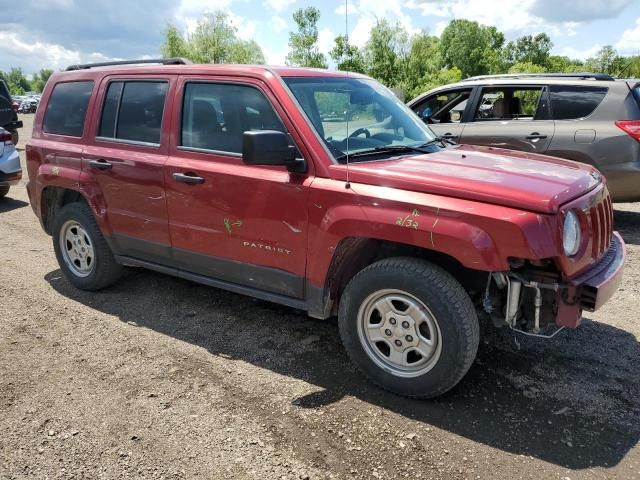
{"points": [[504, 177]]}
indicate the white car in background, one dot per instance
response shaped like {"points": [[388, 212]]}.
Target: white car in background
{"points": [[10, 171]]}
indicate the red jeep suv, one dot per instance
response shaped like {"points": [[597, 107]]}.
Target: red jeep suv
{"points": [[322, 191]]}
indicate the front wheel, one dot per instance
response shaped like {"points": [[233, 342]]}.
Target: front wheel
{"points": [[409, 326], [82, 252]]}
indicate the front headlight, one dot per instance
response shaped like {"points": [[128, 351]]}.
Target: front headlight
{"points": [[571, 234]]}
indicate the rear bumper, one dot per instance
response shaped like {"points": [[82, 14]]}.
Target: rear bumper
{"points": [[598, 285], [10, 171]]}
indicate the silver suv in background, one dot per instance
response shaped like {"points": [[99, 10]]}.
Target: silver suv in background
{"points": [[590, 118]]}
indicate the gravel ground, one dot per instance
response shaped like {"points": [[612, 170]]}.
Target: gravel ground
{"points": [[161, 378]]}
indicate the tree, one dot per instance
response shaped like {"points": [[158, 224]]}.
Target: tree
{"points": [[40, 79], [17, 82], [559, 64], [604, 61], [214, 40], [174, 44], [473, 48], [347, 57], [423, 65], [526, 67], [385, 51], [529, 49], [304, 43]]}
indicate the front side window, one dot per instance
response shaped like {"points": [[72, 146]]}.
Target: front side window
{"points": [[133, 111], [570, 103], [445, 107], [355, 116], [512, 104], [215, 116], [67, 108]]}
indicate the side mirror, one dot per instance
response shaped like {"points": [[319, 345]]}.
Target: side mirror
{"points": [[270, 147]]}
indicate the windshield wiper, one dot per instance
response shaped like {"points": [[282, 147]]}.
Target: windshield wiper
{"points": [[387, 148], [441, 140]]}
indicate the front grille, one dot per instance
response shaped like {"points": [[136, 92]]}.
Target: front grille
{"points": [[601, 219]]}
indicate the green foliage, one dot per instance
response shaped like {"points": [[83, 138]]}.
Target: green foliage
{"points": [[385, 52], [40, 79], [473, 48], [605, 61], [526, 67], [347, 57], [214, 40], [304, 43], [529, 49]]}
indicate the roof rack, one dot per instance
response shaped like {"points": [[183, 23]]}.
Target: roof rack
{"points": [[583, 76], [160, 61]]}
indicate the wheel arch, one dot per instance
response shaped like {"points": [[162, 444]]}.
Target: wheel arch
{"points": [[353, 254]]}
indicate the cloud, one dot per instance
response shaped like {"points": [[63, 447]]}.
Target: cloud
{"points": [[325, 40], [581, 54], [350, 8], [278, 23], [279, 5], [587, 10], [629, 43], [32, 56]]}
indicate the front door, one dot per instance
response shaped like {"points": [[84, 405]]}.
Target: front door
{"points": [[126, 158], [511, 117], [444, 112], [245, 225]]}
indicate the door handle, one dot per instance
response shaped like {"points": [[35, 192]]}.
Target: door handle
{"points": [[534, 136], [188, 178], [100, 164], [449, 135]]}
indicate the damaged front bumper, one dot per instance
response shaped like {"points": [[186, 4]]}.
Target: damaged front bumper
{"points": [[532, 304]]}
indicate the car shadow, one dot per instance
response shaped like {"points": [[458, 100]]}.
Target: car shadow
{"points": [[8, 204], [573, 400], [628, 224]]}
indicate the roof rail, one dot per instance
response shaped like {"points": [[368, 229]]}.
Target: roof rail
{"points": [[161, 61], [584, 76]]}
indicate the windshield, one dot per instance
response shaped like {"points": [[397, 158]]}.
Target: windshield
{"points": [[356, 116]]}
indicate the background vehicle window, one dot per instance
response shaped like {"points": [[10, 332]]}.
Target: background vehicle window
{"points": [[445, 107], [133, 111], [512, 104], [67, 108], [215, 116], [569, 102]]}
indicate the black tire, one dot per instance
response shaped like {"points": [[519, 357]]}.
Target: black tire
{"points": [[444, 298], [4, 190], [105, 270]]}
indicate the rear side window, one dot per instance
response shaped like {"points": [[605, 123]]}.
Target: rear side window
{"points": [[572, 102], [67, 108], [215, 116], [133, 111]]}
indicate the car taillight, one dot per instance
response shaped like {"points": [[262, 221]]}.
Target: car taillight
{"points": [[5, 137], [630, 127]]}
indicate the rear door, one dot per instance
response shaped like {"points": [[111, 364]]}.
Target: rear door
{"points": [[514, 117], [126, 158], [444, 112], [242, 224]]}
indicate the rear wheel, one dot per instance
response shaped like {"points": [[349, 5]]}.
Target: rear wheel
{"points": [[409, 326], [4, 190], [82, 252]]}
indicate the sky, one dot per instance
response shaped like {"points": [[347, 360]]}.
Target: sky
{"points": [[37, 34]]}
